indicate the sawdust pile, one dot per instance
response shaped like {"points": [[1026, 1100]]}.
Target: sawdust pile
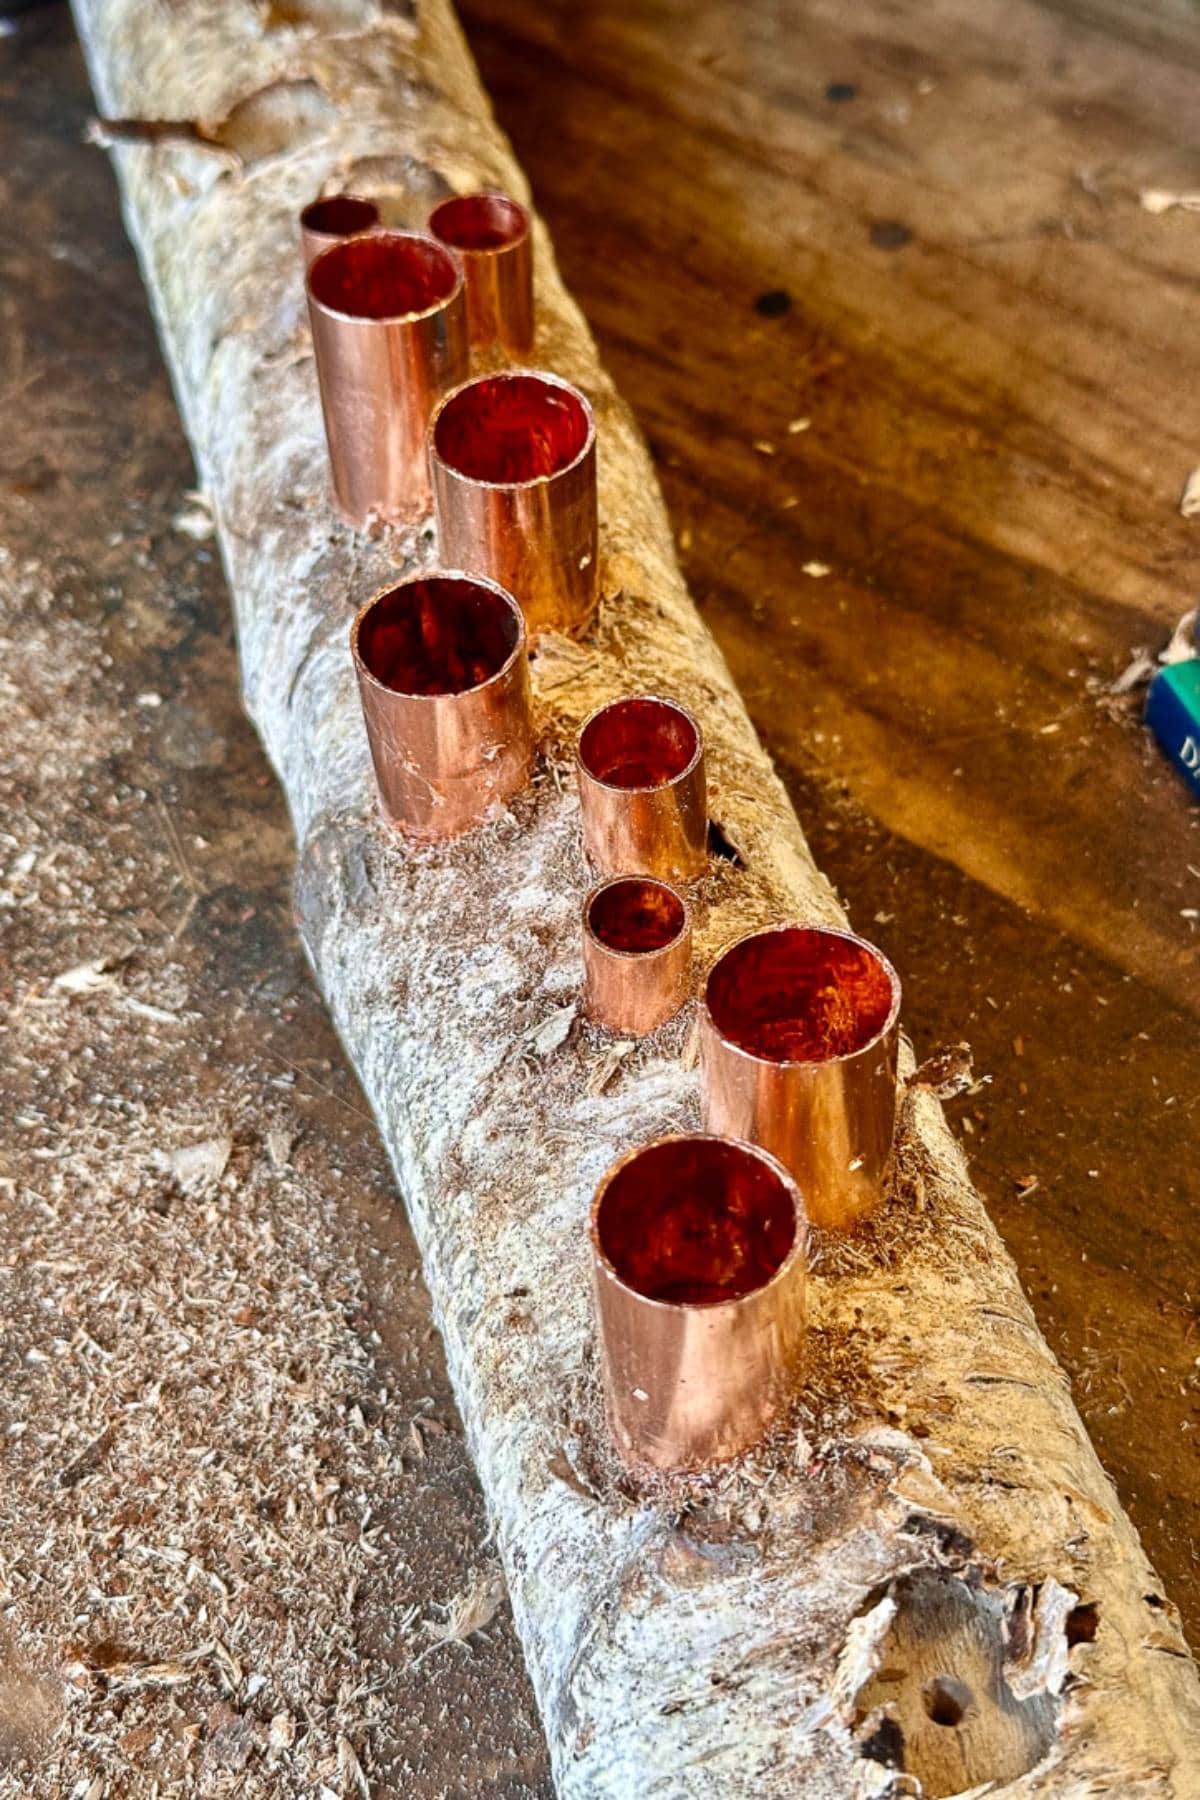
{"points": [[201, 1590]]}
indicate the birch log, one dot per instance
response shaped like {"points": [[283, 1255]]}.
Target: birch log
{"points": [[927, 1584]]}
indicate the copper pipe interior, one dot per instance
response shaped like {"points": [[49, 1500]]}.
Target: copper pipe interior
{"points": [[385, 275], [800, 995], [475, 222], [695, 1221], [511, 429], [444, 634], [635, 915], [639, 743], [339, 215]]}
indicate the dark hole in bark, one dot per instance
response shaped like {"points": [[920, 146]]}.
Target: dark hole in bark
{"points": [[722, 845], [885, 1744], [1083, 1622], [946, 1699]]}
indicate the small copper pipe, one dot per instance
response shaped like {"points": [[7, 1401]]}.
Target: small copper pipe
{"points": [[642, 796], [444, 681], [514, 486], [798, 1031], [490, 234], [326, 222], [637, 954], [699, 1274], [389, 330]]}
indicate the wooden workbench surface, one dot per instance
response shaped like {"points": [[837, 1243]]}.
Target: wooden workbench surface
{"points": [[919, 371]]}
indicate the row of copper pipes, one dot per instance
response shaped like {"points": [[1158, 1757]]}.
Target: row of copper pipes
{"points": [[700, 1242]]}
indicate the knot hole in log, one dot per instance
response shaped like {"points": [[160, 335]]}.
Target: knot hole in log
{"points": [[938, 1706]]}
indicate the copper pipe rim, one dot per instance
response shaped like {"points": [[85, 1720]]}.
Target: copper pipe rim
{"points": [[337, 216], [497, 675], [451, 222], [484, 386], [608, 710], [679, 913], [732, 953], [782, 1270], [323, 284]]}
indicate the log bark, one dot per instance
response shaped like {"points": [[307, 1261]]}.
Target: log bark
{"points": [[926, 1584]]}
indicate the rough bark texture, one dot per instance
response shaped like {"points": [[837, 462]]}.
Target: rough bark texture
{"points": [[929, 1568]]}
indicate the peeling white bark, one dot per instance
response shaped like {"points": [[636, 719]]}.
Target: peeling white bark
{"points": [[755, 1634]]}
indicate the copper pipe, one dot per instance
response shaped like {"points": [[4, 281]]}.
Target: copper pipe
{"points": [[798, 1031], [699, 1274], [444, 681], [327, 221], [490, 234], [514, 486], [389, 330], [642, 796], [637, 954]]}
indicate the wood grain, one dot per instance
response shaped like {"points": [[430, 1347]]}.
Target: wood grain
{"points": [[1003, 408]]}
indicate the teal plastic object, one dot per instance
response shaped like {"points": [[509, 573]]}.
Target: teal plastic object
{"points": [[1173, 715]]}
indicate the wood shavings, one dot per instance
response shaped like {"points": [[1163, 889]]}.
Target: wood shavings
{"points": [[89, 1460], [549, 1033], [87, 978], [1189, 502], [817, 571], [350, 1769], [197, 1167], [947, 1073], [1163, 200], [608, 1065], [1182, 645], [195, 517], [1136, 673], [469, 1611]]}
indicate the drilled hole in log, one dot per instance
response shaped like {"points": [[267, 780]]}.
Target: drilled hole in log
{"points": [[941, 1683], [946, 1699]]}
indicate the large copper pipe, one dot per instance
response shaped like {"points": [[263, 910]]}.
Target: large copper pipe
{"points": [[444, 680], [642, 795], [490, 234], [389, 330], [699, 1275], [637, 954], [326, 222], [514, 485], [798, 1032]]}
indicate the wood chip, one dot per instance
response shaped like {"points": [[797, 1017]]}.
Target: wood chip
{"points": [[546, 1036], [1161, 200]]}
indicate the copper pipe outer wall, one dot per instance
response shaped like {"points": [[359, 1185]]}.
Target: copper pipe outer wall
{"points": [[686, 1386], [498, 274], [829, 1122], [538, 537], [380, 377], [659, 830], [444, 762]]}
